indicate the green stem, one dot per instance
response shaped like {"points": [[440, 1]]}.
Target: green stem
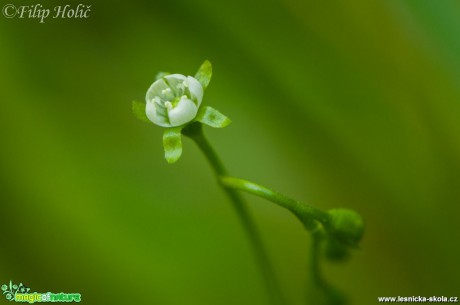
{"points": [[309, 216], [314, 268], [195, 132], [314, 221], [305, 213], [322, 293]]}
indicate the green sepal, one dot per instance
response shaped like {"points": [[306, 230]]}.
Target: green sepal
{"points": [[172, 143], [139, 111], [211, 117], [160, 75], [204, 74]]}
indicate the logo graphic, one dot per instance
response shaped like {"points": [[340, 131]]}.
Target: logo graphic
{"points": [[11, 290], [20, 293]]}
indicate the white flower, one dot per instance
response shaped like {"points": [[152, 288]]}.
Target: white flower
{"points": [[173, 100]]}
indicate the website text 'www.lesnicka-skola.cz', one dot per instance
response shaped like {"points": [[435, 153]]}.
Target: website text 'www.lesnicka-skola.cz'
{"points": [[418, 299]]}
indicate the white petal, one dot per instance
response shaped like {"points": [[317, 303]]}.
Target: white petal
{"points": [[175, 77], [155, 90], [153, 116], [174, 80], [184, 112], [195, 89]]}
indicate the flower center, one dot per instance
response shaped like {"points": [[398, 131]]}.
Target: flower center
{"points": [[169, 106], [171, 96]]}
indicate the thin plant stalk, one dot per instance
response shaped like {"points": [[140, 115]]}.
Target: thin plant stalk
{"points": [[195, 132]]}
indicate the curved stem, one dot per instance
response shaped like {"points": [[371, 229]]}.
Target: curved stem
{"points": [[312, 219], [194, 131], [304, 212], [322, 292], [314, 267]]}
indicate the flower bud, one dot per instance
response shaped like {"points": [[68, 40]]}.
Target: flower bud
{"points": [[335, 250], [346, 225], [173, 100]]}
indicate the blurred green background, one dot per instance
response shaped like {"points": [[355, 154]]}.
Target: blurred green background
{"points": [[336, 103]]}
